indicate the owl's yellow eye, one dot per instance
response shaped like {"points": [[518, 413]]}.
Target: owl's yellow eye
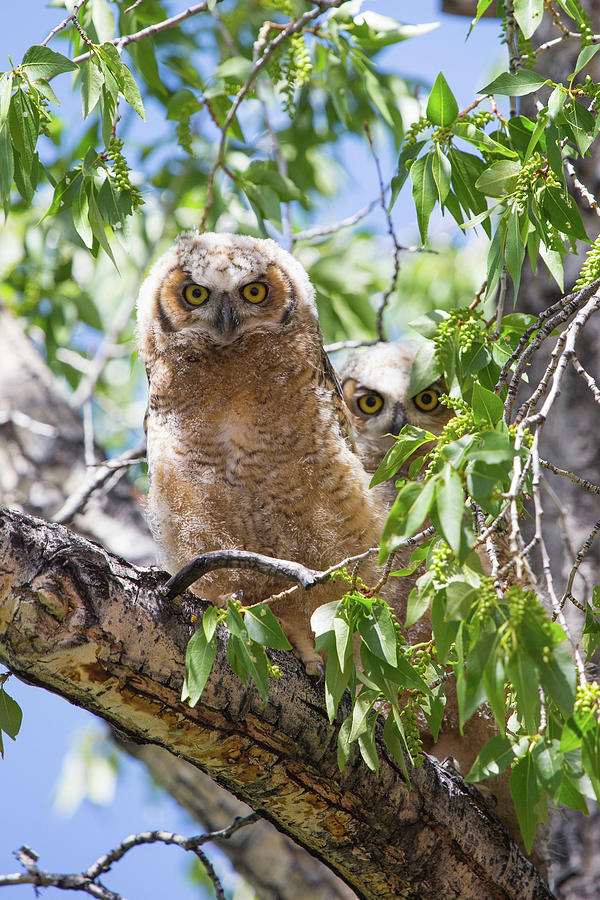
{"points": [[195, 294], [426, 400], [255, 292], [370, 403]]}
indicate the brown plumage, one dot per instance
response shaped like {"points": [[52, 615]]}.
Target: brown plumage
{"points": [[248, 441]]}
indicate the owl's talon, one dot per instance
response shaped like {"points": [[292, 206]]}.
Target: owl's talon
{"points": [[314, 668]]}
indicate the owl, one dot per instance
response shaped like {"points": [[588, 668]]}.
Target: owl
{"points": [[249, 445], [376, 387]]}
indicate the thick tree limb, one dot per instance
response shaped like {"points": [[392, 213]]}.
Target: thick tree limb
{"points": [[91, 627]]}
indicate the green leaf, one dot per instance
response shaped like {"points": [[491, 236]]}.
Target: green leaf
{"points": [[6, 84], [409, 441], [587, 53], [250, 658], [522, 673], [450, 504], [499, 178], [321, 620], [6, 165], [210, 620], [337, 678], [591, 633], [563, 213], [495, 260], [466, 169], [590, 757], [480, 139], [236, 68], [424, 191], [97, 224], [425, 368], [41, 62], [199, 659], [362, 707], [344, 747], [529, 14], [526, 792], [24, 120], [395, 741], [522, 82], [263, 627], [368, 750], [488, 408], [441, 173], [131, 91], [442, 108], [382, 629], [558, 678], [408, 153], [514, 250], [459, 597], [343, 640], [407, 514], [582, 124], [492, 759], [92, 80], [417, 605], [11, 714], [81, 215], [402, 673]]}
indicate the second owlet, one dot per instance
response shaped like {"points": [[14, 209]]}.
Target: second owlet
{"points": [[248, 444], [376, 386]]}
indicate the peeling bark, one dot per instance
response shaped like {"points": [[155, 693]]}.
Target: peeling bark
{"points": [[96, 630]]}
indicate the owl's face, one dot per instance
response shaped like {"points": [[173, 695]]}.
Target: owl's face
{"points": [[376, 386], [217, 287]]}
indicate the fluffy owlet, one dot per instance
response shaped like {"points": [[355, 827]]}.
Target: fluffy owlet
{"points": [[248, 444], [376, 386]]}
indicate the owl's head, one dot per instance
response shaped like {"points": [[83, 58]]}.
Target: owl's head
{"points": [[214, 288], [376, 386]]}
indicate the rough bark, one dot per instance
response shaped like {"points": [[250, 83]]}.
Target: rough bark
{"points": [[95, 630], [41, 462]]}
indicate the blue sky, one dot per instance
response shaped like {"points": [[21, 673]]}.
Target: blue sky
{"points": [[31, 766]]}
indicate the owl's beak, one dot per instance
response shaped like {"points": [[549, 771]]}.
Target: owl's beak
{"points": [[226, 320], [399, 419]]}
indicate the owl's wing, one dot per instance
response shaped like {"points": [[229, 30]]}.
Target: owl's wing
{"points": [[329, 380]]}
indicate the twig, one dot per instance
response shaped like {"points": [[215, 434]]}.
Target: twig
{"points": [[65, 23], [259, 62], [124, 41], [349, 345], [576, 479], [22, 420], [587, 378], [397, 247], [96, 477], [87, 881], [580, 187], [581, 554], [325, 230]]}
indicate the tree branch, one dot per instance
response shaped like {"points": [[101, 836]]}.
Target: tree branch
{"points": [[94, 629]]}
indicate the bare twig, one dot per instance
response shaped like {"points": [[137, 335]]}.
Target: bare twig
{"points": [[390, 226], [65, 23], [22, 420], [587, 378], [87, 881], [576, 479], [349, 345], [97, 477], [581, 554]]}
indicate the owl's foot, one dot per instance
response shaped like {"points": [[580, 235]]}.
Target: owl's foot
{"points": [[314, 668]]}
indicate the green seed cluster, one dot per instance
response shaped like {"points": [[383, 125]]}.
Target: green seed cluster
{"points": [[460, 424], [440, 561], [296, 68], [480, 118], [521, 601], [526, 438], [590, 270], [273, 671], [45, 117], [589, 87], [585, 26], [587, 699], [415, 130], [534, 172], [462, 325], [410, 723], [121, 172], [283, 6], [486, 599]]}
